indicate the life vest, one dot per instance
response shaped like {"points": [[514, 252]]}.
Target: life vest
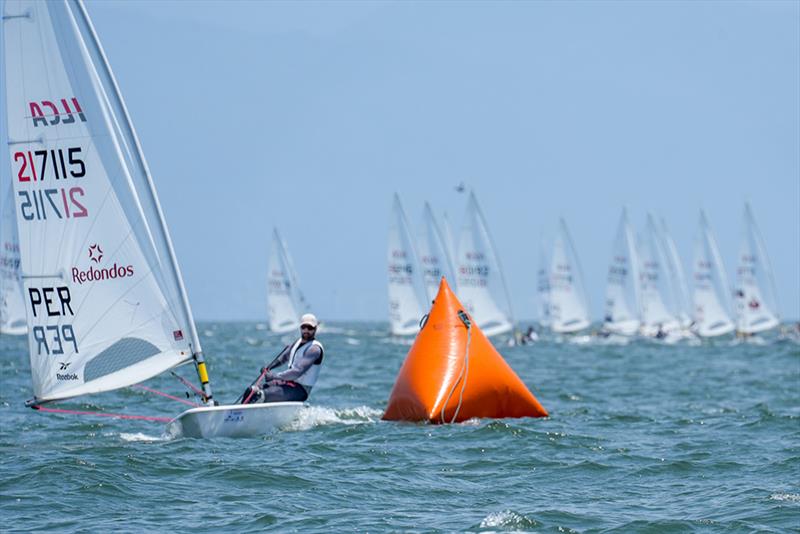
{"points": [[309, 378]]}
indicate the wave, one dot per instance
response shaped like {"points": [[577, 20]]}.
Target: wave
{"points": [[316, 416]]}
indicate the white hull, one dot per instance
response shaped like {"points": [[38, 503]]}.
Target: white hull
{"points": [[233, 421]]}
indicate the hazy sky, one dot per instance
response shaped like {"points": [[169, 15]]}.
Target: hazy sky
{"points": [[310, 115]]}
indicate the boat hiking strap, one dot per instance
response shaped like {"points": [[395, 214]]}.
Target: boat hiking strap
{"points": [[463, 374], [167, 395], [104, 414]]}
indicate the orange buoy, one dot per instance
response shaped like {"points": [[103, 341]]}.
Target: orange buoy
{"points": [[453, 373]]}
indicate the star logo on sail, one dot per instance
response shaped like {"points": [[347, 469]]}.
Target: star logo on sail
{"points": [[95, 253]]}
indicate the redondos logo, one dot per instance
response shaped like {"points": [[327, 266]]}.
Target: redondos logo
{"points": [[95, 274]]}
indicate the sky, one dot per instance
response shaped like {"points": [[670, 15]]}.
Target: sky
{"points": [[308, 116]]}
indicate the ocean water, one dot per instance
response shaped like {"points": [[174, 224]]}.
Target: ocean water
{"points": [[642, 437]]}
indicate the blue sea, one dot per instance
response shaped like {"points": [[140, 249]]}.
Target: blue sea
{"points": [[642, 437]]}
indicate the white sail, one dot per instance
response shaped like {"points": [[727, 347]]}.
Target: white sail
{"points": [[543, 287], [407, 298], [755, 296], [481, 284], [447, 233], [104, 297], [12, 307], [284, 299], [676, 274], [710, 315], [569, 308], [622, 291], [434, 257], [658, 306]]}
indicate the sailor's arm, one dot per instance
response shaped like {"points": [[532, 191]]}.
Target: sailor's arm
{"points": [[301, 365], [279, 360]]}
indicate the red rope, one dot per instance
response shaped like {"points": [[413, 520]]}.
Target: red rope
{"points": [[166, 395], [258, 381], [103, 414]]}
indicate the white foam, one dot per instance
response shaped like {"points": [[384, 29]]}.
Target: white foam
{"points": [[352, 341], [505, 519], [314, 416], [791, 497], [140, 437]]}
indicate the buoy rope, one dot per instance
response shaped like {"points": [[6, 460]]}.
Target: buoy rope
{"points": [[463, 374]]}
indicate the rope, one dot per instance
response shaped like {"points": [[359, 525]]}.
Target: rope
{"points": [[190, 403], [188, 384], [258, 380], [463, 374], [104, 414]]}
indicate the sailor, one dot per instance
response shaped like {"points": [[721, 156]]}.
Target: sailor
{"points": [[304, 358]]}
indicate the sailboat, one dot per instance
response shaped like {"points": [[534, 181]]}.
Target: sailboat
{"points": [[434, 256], [710, 316], [12, 306], [755, 295], [569, 308], [481, 284], [543, 287], [622, 290], [676, 274], [658, 307], [105, 300], [285, 301], [407, 297]]}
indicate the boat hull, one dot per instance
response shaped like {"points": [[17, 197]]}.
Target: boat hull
{"points": [[233, 421]]}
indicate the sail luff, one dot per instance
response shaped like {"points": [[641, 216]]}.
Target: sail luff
{"points": [[197, 349]]}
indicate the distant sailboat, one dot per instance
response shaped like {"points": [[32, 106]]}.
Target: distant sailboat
{"points": [[408, 301], [676, 274], [543, 287], [285, 300], [659, 313], [12, 305], [481, 284], [434, 256], [710, 316], [569, 308], [622, 291], [755, 295]]}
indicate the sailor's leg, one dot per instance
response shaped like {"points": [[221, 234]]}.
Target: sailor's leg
{"points": [[284, 393]]}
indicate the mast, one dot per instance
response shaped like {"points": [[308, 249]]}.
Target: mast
{"points": [[197, 351]]}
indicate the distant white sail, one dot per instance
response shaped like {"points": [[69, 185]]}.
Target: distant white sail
{"points": [[676, 274], [12, 306], [755, 296], [407, 297], [622, 291], [658, 306], [105, 302], [447, 233], [543, 287], [710, 315], [284, 298], [481, 284], [569, 308], [434, 257]]}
